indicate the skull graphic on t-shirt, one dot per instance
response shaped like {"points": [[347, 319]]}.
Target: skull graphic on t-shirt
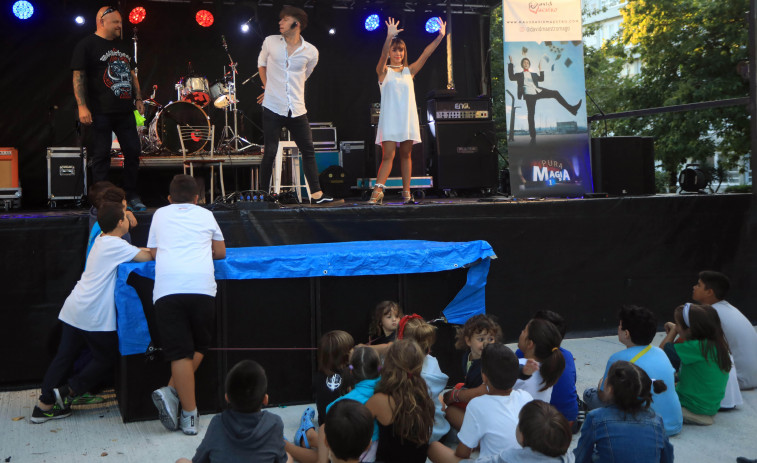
{"points": [[117, 76]]}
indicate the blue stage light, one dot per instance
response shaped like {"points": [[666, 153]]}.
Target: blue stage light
{"points": [[23, 9], [79, 20], [432, 25], [372, 22]]}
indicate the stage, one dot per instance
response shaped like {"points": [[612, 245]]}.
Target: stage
{"points": [[581, 257]]}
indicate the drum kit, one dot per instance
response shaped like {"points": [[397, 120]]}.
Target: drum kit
{"points": [[194, 96]]}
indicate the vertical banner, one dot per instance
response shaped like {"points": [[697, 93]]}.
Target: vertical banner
{"points": [[548, 138]]}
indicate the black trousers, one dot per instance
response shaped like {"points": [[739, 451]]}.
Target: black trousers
{"points": [[531, 106], [299, 128], [125, 127], [104, 348]]}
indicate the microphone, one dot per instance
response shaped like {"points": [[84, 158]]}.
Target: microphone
{"points": [[223, 40]]}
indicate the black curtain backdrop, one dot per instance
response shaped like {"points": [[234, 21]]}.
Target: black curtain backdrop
{"points": [[36, 80]]}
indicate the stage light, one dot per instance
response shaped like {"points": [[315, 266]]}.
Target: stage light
{"points": [[245, 28], [432, 25], [79, 20], [204, 18], [372, 22], [332, 31], [23, 9], [137, 15]]}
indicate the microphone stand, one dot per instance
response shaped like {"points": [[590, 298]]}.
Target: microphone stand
{"points": [[226, 144]]}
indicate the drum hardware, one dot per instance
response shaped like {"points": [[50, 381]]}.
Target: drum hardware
{"points": [[230, 139]]}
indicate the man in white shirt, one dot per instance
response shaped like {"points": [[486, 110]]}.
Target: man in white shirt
{"points": [[529, 90], [89, 318], [711, 288], [285, 63]]}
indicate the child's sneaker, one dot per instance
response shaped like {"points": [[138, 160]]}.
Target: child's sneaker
{"points": [[188, 422], [87, 399], [63, 397], [55, 413], [166, 400]]}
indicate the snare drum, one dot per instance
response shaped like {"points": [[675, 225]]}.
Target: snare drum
{"points": [[165, 135], [195, 90]]}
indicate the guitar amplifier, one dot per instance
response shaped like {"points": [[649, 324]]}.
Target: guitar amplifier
{"points": [[459, 109]]}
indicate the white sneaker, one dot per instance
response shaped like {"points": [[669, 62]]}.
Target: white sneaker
{"points": [[189, 422], [166, 400]]}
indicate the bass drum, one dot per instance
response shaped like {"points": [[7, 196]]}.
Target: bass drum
{"points": [[163, 128]]}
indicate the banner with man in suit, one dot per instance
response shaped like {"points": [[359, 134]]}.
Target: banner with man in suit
{"points": [[548, 139]]}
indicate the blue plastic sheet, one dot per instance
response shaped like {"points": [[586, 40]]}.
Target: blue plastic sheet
{"points": [[319, 260]]}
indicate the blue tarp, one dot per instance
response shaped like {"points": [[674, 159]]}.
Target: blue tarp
{"points": [[354, 258]]}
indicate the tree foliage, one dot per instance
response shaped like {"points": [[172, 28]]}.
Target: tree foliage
{"points": [[689, 50]]}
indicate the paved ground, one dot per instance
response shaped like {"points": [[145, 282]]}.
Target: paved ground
{"points": [[97, 433]]}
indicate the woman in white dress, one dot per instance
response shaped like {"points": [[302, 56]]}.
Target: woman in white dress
{"points": [[398, 123]]}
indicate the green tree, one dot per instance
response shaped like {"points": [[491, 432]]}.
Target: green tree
{"points": [[497, 60], [689, 50]]}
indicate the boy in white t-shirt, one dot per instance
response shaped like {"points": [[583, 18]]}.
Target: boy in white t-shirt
{"points": [[184, 239], [491, 419], [89, 318]]}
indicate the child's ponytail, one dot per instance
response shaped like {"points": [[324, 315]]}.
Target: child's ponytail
{"points": [[546, 338]]}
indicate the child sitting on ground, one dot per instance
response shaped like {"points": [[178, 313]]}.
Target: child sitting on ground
{"points": [[383, 327], [243, 432], [413, 327], [401, 405], [627, 431], [89, 319], [477, 332], [636, 329], [346, 434], [364, 370], [564, 396], [329, 383], [544, 434], [490, 419], [702, 359], [540, 341]]}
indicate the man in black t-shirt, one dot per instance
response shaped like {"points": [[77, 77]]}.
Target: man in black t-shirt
{"points": [[106, 89]]}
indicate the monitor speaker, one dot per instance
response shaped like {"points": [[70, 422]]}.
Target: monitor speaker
{"points": [[623, 165]]}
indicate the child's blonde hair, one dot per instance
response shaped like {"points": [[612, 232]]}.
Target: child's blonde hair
{"points": [[375, 329], [481, 323], [421, 332]]}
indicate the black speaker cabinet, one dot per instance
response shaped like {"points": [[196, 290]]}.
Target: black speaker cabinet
{"points": [[461, 154], [623, 165], [419, 164], [354, 161]]}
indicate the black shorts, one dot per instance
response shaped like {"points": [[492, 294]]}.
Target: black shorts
{"points": [[185, 323]]}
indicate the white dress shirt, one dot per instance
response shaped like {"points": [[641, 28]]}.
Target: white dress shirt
{"points": [[529, 86], [286, 74]]}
